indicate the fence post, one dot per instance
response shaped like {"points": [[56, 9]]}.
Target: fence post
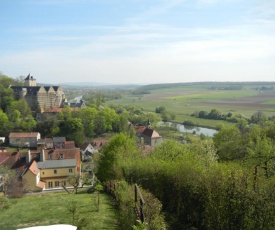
{"points": [[139, 208]]}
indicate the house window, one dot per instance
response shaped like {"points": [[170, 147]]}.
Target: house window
{"points": [[70, 170], [50, 156], [50, 184], [56, 184], [61, 155], [64, 183], [55, 171]]}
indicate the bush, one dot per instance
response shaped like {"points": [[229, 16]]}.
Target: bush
{"points": [[189, 123], [125, 197]]}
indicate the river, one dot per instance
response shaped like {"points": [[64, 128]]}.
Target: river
{"points": [[191, 129]]}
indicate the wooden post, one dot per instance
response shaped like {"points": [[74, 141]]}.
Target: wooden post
{"points": [[139, 207]]}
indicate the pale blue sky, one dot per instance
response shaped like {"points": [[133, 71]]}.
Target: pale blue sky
{"points": [[138, 41]]}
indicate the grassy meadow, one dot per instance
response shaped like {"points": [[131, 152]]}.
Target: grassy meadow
{"points": [[52, 208], [183, 101]]}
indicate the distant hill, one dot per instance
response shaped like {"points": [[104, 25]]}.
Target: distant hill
{"points": [[100, 85], [211, 85], [91, 84]]}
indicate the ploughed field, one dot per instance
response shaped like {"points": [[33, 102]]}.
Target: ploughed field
{"points": [[184, 101]]}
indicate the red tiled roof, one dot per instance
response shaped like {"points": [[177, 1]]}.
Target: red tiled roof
{"points": [[4, 157], [140, 128], [69, 144], [57, 110], [41, 184], [21, 134], [73, 153], [33, 168], [53, 110], [100, 142]]}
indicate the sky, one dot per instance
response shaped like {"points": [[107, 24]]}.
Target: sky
{"points": [[138, 41]]}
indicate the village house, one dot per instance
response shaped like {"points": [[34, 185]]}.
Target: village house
{"points": [[24, 139], [32, 175], [55, 143], [87, 151], [52, 168], [147, 135], [151, 137]]}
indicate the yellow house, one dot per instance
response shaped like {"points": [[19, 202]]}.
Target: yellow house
{"points": [[53, 168], [32, 177], [55, 172]]}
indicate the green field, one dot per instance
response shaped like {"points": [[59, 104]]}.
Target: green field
{"points": [[48, 209], [183, 101]]}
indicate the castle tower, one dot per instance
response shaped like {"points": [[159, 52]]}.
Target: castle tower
{"points": [[30, 81]]}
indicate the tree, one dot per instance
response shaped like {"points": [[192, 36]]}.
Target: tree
{"points": [[258, 117], [74, 180], [203, 114], [28, 124], [120, 146], [48, 127], [88, 115], [160, 109], [76, 219], [229, 143], [4, 124], [72, 128], [215, 114], [14, 187], [6, 93]]}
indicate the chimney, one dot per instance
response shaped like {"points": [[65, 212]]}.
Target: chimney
{"points": [[28, 156], [42, 155]]}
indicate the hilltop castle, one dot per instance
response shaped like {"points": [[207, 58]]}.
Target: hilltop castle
{"points": [[39, 97]]}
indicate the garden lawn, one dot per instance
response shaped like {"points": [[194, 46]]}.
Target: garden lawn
{"points": [[49, 209]]}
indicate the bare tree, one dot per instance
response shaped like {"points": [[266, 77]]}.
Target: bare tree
{"points": [[74, 180]]}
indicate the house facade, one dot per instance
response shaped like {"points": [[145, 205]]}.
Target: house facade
{"points": [[55, 172], [24, 139], [49, 168]]}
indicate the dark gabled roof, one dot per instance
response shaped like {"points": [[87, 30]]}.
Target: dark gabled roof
{"points": [[84, 146], [47, 88], [28, 77], [150, 133], [55, 87], [50, 164], [44, 140], [59, 139]]}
